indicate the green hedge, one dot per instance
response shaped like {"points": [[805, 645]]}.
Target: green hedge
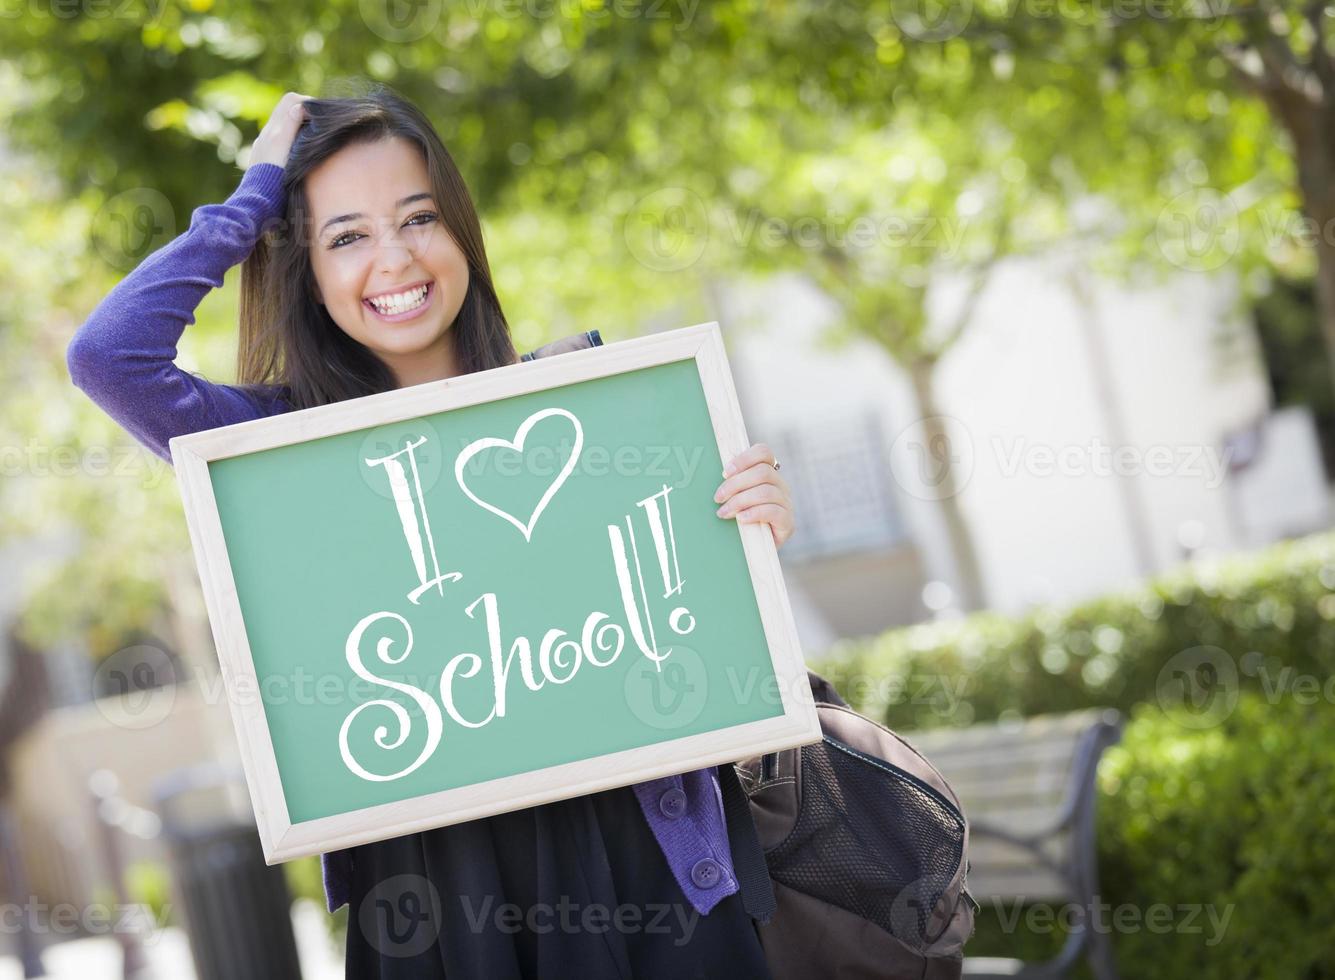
{"points": [[1266, 612], [1237, 819], [1215, 853], [1216, 811]]}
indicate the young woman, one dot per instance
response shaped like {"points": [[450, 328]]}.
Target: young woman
{"points": [[365, 272]]}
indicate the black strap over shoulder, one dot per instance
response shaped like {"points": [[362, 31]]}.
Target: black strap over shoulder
{"points": [[578, 341], [748, 858]]}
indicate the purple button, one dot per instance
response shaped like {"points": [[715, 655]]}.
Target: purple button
{"points": [[672, 803], [707, 873]]}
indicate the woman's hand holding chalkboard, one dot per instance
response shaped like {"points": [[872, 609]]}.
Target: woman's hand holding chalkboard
{"points": [[276, 138], [754, 491]]}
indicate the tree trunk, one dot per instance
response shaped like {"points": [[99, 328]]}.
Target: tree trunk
{"points": [[1325, 287], [1129, 490], [968, 584], [1311, 126]]}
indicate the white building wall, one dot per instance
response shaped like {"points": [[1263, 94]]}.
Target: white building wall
{"points": [[790, 379], [1052, 519], [1068, 517]]}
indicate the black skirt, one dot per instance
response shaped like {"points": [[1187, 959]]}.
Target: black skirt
{"points": [[577, 888]]}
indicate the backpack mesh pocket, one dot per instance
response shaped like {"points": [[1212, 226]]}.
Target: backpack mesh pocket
{"points": [[871, 839]]}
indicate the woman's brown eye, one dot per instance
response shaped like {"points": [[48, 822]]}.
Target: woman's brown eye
{"points": [[338, 241]]}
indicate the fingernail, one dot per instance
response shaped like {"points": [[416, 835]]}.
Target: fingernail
{"points": [[718, 495], [723, 512], [727, 471]]}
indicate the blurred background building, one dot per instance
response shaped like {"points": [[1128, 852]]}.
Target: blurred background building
{"points": [[1043, 392]]}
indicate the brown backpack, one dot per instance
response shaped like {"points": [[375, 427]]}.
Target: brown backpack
{"points": [[851, 854]]}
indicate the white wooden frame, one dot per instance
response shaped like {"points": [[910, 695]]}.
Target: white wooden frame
{"points": [[283, 840]]}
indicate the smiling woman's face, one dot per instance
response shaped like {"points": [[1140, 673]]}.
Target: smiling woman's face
{"points": [[391, 276]]}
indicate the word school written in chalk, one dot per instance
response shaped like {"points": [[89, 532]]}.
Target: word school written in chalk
{"points": [[559, 655]]}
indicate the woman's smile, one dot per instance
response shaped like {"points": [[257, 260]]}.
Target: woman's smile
{"points": [[400, 305]]}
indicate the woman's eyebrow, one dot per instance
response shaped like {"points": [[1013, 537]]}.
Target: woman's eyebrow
{"points": [[403, 202]]}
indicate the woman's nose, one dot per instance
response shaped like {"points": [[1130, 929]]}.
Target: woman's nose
{"points": [[393, 251], [391, 257]]}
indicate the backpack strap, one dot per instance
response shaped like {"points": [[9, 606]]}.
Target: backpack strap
{"points": [[823, 691], [748, 858], [578, 341]]}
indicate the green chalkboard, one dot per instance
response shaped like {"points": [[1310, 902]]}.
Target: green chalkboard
{"points": [[500, 588]]}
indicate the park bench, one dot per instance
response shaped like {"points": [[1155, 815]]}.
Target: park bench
{"points": [[1029, 794]]}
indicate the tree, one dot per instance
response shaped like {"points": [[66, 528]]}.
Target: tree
{"points": [[588, 136], [1208, 129]]}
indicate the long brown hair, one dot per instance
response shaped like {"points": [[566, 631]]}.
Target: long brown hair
{"points": [[289, 345]]}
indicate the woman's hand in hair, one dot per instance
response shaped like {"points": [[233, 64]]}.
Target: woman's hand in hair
{"points": [[754, 491], [275, 139]]}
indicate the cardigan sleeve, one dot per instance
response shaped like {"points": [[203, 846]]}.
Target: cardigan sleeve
{"points": [[124, 355]]}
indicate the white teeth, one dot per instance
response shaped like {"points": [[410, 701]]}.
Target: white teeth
{"points": [[400, 302]]}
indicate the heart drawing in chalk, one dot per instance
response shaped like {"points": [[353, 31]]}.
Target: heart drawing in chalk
{"points": [[473, 448]]}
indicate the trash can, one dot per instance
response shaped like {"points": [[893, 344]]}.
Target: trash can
{"points": [[236, 909]]}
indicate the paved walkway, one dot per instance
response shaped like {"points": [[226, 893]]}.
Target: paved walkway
{"points": [[168, 952]]}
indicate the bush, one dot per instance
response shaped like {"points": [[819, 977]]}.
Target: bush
{"points": [[1215, 809], [1235, 819], [1213, 850], [1260, 620]]}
